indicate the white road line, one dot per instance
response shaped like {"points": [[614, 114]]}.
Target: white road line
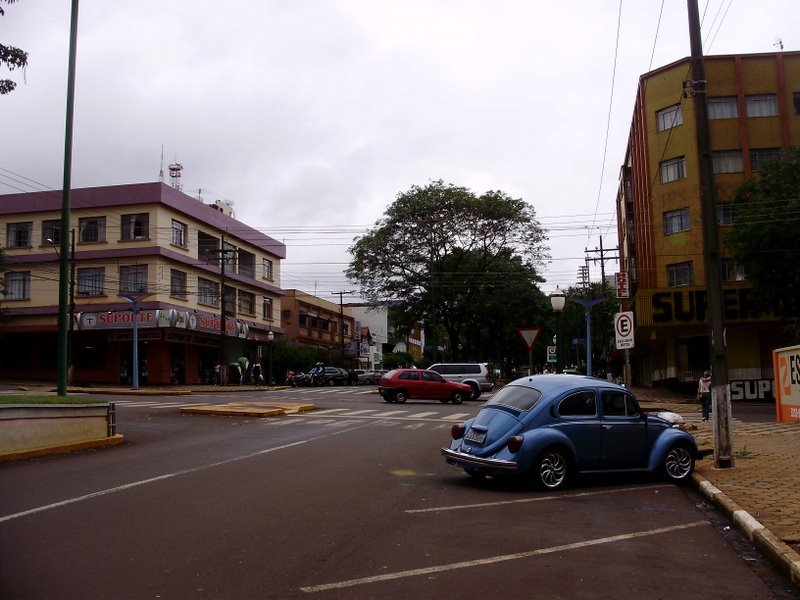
{"points": [[423, 415], [353, 413], [329, 411], [497, 559], [533, 499], [456, 417], [391, 413]]}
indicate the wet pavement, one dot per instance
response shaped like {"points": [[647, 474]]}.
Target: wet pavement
{"points": [[760, 493]]}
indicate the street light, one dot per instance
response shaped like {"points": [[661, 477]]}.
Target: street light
{"points": [[134, 299], [270, 342], [557, 300], [587, 312]]}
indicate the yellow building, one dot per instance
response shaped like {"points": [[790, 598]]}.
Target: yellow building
{"points": [[754, 111], [144, 251]]}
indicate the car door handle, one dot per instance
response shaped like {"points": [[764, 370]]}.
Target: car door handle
{"points": [[607, 426]]}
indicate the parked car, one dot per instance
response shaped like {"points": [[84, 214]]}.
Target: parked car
{"points": [[401, 384], [372, 377], [475, 375], [552, 427]]}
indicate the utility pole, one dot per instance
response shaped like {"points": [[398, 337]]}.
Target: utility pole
{"points": [[66, 200], [341, 320], [223, 319], [720, 396], [602, 260]]}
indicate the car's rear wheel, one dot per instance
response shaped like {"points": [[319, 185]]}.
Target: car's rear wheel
{"points": [[400, 396], [551, 469], [457, 397], [476, 391], [678, 463]]}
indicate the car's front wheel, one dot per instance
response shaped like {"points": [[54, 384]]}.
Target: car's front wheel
{"points": [[457, 397], [400, 396], [678, 463], [551, 469]]}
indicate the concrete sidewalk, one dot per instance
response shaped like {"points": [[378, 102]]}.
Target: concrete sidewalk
{"points": [[760, 494]]}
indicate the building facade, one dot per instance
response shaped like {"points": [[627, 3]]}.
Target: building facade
{"points": [[754, 111], [146, 252], [316, 323]]}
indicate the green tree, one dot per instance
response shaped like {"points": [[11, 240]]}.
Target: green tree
{"points": [[764, 238], [439, 249], [11, 57]]}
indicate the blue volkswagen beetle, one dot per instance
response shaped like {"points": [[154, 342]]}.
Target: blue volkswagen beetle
{"points": [[551, 427]]}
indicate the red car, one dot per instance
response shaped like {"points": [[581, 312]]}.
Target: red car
{"points": [[401, 384]]}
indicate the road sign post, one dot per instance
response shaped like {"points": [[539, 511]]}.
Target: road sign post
{"points": [[529, 335]]}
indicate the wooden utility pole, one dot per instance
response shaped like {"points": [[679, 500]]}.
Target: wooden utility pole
{"points": [[720, 393]]}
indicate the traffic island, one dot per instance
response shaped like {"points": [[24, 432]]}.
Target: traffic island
{"points": [[249, 409]]}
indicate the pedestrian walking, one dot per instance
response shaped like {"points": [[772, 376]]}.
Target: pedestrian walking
{"points": [[704, 393]]}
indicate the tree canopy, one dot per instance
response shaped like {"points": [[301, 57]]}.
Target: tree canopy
{"points": [[764, 238], [445, 254], [11, 57]]}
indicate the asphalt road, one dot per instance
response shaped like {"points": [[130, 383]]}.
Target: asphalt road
{"points": [[352, 500]]}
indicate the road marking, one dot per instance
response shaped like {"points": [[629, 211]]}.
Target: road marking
{"points": [[391, 413], [329, 411], [534, 499], [353, 413], [127, 486], [497, 559], [423, 415], [456, 417]]}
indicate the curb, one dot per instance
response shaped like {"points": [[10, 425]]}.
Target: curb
{"points": [[113, 440], [777, 552]]}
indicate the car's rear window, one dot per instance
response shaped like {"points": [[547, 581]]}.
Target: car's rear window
{"points": [[518, 397]]}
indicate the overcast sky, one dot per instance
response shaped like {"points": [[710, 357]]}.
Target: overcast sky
{"points": [[312, 115]]}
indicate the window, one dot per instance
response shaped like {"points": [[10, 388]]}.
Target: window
{"points": [[796, 103], [723, 107], [758, 156], [266, 268], [133, 279], [229, 252], [135, 227], [676, 220], [725, 214], [207, 292], [92, 281], [247, 303], [732, 271], [51, 233], [230, 300], [581, 404], [266, 308], [247, 264], [92, 229], [18, 235], [670, 117], [179, 233], [727, 161], [18, 285], [680, 274], [207, 248], [673, 169], [763, 105], [619, 404], [177, 283]]}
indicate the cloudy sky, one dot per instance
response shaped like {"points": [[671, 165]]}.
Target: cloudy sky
{"points": [[312, 115]]}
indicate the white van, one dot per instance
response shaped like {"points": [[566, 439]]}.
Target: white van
{"points": [[475, 375]]}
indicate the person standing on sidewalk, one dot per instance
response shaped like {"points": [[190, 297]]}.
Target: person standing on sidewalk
{"points": [[704, 393]]}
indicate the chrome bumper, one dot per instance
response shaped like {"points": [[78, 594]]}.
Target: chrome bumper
{"points": [[462, 459]]}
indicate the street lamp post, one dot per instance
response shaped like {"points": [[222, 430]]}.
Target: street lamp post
{"points": [[557, 300], [134, 299], [587, 312], [270, 342]]}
